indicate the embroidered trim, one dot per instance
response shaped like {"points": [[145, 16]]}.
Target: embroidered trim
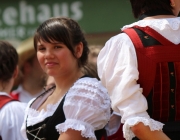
{"points": [[154, 125], [87, 130]]}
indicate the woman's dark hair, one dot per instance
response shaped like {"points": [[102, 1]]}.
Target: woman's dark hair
{"points": [[141, 6], [8, 61], [66, 31]]}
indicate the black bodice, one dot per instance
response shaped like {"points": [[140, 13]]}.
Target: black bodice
{"points": [[46, 130]]}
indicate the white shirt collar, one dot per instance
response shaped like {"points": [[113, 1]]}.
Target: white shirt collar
{"points": [[167, 27], [4, 93]]}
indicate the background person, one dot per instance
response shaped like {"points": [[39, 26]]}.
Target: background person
{"points": [[78, 106], [120, 66], [93, 53], [11, 112], [31, 80]]}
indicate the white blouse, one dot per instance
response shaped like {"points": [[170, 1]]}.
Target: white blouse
{"points": [[86, 108], [117, 69], [11, 119]]}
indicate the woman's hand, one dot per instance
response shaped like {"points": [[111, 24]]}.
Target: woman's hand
{"points": [[71, 134], [144, 133]]}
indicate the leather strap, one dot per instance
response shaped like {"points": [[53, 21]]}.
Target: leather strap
{"points": [[150, 56]]}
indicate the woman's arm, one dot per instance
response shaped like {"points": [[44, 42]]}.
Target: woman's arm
{"points": [[71, 134], [86, 108], [144, 133]]}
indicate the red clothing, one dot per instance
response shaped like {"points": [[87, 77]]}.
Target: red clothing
{"points": [[156, 76], [4, 100], [22, 95]]}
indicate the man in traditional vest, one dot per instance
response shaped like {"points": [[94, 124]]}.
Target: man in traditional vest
{"points": [[140, 67]]}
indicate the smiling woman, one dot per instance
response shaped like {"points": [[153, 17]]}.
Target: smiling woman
{"points": [[78, 106], [64, 60]]}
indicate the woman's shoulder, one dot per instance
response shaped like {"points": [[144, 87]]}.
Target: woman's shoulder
{"points": [[87, 79], [88, 92], [88, 86], [90, 82]]}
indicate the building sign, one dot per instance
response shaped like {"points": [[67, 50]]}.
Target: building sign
{"points": [[19, 19]]}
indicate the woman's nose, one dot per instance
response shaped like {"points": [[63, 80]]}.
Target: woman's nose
{"points": [[49, 54]]}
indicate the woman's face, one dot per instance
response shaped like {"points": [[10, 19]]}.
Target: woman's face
{"points": [[55, 58]]}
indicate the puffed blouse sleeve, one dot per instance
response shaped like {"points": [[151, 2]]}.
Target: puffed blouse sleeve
{"points": [[86, 108]]}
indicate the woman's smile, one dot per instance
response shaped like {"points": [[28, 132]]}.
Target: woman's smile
{"points": [[50, 64]]}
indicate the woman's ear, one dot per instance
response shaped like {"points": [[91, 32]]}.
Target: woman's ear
{"points": [[172, 3], [79, 50]]}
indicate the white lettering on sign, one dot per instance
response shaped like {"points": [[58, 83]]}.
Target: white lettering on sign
{"points": [[60, 10], [28, 14], [44, 12], [9, 16], [75, 7], [18, 21], [18, 32]]}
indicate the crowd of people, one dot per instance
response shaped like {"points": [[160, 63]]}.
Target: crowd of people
{"points": [[55, 86], [31, 78]]}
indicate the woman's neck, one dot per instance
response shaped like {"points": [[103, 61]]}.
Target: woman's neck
{"points": [[159, 17], [6, 86], [65, 82], [156, 14]]}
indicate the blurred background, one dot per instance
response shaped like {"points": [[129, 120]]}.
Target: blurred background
{"points": [[99, 19]]}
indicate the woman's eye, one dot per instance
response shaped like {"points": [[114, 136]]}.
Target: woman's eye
{"points": [[41, 48], [56, 47]]}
